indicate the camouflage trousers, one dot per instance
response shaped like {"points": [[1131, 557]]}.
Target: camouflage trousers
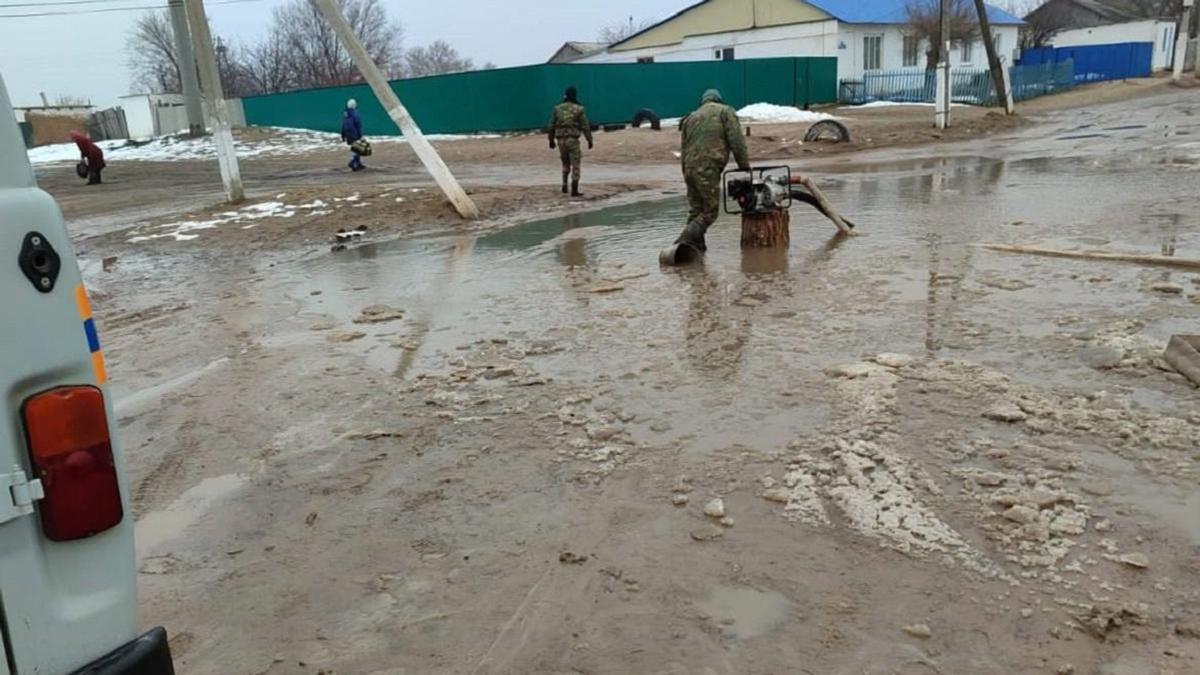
{"points": [[703, 194], [571, 154]]}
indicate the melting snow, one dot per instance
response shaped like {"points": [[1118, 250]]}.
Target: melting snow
{"points": [[896, 104], [185, 230], [769, 112], [284, 142]]}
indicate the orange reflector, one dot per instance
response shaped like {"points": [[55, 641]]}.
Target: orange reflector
{"points": [[69, 445]]}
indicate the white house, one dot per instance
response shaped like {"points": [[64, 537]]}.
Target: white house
{"points": [[863, 35], [1161, 33]]}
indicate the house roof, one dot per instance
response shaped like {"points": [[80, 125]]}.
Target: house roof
{"points": [[572, 50], [890, 11], [846, 11], [586, 47], [1112, 11]]}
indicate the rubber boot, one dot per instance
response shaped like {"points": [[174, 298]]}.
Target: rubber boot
{"points": [[564, 187], [688, 248], [693, 235], [575, 188]]}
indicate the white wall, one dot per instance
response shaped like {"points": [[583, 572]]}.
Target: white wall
{"points": [[150, 115], [138, 116], [851, 49], [1161, 33], [804, 39], [823, 38]]}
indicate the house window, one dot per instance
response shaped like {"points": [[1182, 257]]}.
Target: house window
{"points": [[725, 54], [998, 44], [1167, 30], [872, 52], [645, 59], [968, 51], [912, 50]]}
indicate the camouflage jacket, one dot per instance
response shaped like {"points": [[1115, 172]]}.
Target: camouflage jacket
{"points": [[569, 120], [710, 134]]}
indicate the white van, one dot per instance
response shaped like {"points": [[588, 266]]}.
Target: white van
{"points": [[68, 594]]}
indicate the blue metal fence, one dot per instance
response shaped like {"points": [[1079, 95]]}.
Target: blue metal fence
{"points": [[1098, 63], [973, 86]]}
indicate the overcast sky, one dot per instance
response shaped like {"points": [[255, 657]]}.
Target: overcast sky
{"points": [[84, 54]]}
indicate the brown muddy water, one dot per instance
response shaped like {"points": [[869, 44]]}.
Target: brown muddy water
{"points": [[489, 453]]}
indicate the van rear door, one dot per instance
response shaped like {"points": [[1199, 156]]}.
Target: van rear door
{"points": [[65, 602]]}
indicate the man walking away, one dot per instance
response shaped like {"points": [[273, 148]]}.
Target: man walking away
{"points": [[91, 155], [710, 134], [568, 121], [351, 132]]}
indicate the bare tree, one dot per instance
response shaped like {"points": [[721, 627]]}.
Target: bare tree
{"points": [[266, 66], [622, 30], [438, 58], [318, 57], [150, 54], [924, 21]]}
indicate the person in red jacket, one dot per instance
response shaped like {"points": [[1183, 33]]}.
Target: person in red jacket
{"points": [[91, 154]]}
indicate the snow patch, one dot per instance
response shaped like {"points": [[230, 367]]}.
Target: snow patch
{"points": [[769, 112], [896, 104], [284, 142], [185, 230]]}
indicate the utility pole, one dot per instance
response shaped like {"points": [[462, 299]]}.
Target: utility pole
{"points": [[210, 76], [187, 68], [994, 64], [396, 110], [1182, 37], [943, 95]]}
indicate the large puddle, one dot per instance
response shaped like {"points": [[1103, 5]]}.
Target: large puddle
{"points": [[159, 527], [745, 612], [915, 281]]}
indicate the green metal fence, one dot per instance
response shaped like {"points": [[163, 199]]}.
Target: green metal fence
{"points": [[969, 86], [519, 99], [1038, 80]]}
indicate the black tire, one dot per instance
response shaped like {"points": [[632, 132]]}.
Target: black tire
{"points": [[827, 130], [613, 127], [646, 115]]}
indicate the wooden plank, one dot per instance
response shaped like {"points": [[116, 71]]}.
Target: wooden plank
{"points": [[1156, 260]]}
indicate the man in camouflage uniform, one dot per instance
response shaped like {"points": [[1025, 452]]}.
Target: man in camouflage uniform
{"points": [[710, 134], [568, 121]]}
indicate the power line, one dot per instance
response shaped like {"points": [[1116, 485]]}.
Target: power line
{"points": [[105, 10], [57, 3]]}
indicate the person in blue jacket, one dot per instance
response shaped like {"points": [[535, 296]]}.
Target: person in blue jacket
{"points": [[351, 132]]}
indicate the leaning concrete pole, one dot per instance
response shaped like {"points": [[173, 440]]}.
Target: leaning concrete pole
{"points": [[1182, 35], [210, 77], [994, 63], [396, 110], [187, 68]]}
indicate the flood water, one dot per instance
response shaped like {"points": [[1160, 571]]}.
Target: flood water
{"points": [[359, 491], [915, 281]]}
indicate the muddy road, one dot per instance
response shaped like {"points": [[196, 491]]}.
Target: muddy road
{"points": [[502, 451]]}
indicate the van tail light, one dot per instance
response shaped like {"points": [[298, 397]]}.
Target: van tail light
{"points": [[69, 445]]}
